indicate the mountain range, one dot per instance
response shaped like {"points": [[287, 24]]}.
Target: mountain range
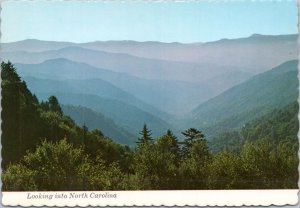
{"points": [[141, 67], [96, 87], [257, 52], [120, 85], [166, 95]]}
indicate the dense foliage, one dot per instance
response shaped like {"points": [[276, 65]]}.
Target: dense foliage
{"points": [[45, 150], [277, 126]]}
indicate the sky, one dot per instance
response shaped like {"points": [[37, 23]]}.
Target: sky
{"points": [[164, 21]]}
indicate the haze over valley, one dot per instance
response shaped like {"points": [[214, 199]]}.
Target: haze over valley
{"points": [[117, 86]]}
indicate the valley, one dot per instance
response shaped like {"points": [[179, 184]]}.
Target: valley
{"points": [[122, 83]]}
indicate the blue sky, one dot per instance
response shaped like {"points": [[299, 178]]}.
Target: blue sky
{"points": [[167, 21]]}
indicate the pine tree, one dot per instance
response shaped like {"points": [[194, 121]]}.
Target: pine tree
{"points": [[145, 135], [192, 135], [173, 144], [54, 105]]}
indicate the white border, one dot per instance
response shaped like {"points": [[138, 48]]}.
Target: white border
{"points": [[157, 198]]}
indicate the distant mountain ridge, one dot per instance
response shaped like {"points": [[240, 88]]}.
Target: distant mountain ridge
{"points": [[168, 96], [119, 62], [267, 50], [259, 37], [34, 45], [91, 87]]}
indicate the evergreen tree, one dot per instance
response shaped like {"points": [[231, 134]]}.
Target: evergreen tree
{"points": [[145, 135], [54, 105], [192, 135], [194, 168], [169, 143], [169, 153]]}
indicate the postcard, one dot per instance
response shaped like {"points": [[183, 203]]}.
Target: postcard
{"points": [[149, 103]]}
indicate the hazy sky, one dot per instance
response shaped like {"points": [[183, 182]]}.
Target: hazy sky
{"points": [[203, 21]]}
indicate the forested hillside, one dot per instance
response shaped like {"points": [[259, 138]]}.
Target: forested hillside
{"points": [[44, 150], [280, 125], [126, 116], [95, 120], [249, 100]]}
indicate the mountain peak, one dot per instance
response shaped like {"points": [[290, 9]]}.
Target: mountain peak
{"points": [[255, 35], [60, 60]]}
